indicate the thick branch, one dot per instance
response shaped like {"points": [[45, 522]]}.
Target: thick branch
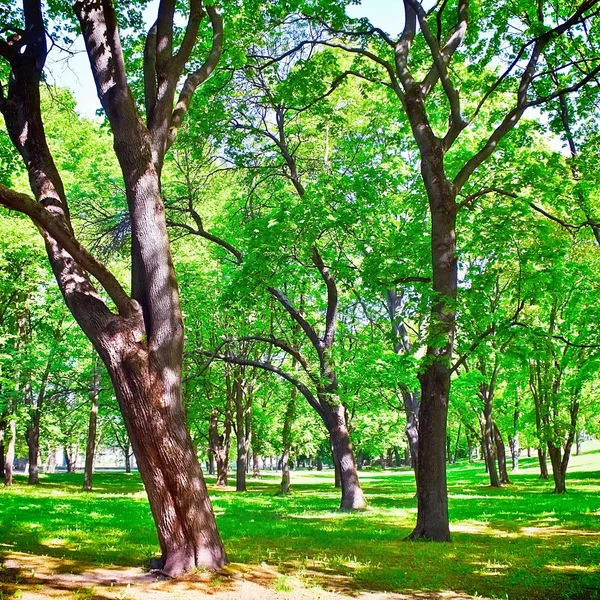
{"points": [[295, 314], [236, 360], [44, 220], [332, 298], [200, 75]]}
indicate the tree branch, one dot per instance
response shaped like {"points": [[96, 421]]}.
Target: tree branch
{"points": [[200, 75], [44, 220]]}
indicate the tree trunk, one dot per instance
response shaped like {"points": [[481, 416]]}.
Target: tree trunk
{"points": [[319, 464], [242, 400], [412, 403], [51, 462], [33, 445], [543, 463], [558, 473], [457, 443], [211, 462], [286, 438], [169, 469], [432, 494], [352, 494], [255, 466], [141, 344], [9, 457], [127, 455], [490, 453], [92, 425], [220, 444], [578, 444], [71, 459], [515, 451], [501, 452]]}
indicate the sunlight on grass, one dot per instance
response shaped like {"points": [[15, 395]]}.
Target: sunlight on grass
{"points": [[519, 541]]}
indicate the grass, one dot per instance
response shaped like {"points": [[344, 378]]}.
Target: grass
{"points": [[519, 541]]}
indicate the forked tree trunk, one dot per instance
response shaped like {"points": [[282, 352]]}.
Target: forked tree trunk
{"points": [[170, 471], [142, 344], [352, 494], [90, 450]]}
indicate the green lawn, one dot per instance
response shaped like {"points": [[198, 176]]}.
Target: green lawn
{"points": [[516, 542]]}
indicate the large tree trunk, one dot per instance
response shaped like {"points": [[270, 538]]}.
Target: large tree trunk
{"points": [[142, 345], [90, 450], [9, 457], [170, 471], [352, 494], [432, 495]]}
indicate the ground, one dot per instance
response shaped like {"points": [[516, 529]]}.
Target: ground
{"points": [[517, 542]]}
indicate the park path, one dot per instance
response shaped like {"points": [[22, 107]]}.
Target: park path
{"points": [[31, 577]]}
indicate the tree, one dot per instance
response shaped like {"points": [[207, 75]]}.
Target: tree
{"points": [[141, 343], [458, 53]]}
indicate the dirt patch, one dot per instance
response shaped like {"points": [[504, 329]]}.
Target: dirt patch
{"points": [[31, 577]]}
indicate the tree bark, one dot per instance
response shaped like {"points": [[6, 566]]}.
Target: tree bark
{"points": [[90, 450], [352, 494]]}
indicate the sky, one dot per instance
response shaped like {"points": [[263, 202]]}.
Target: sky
{"points": [[74, 72]]}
